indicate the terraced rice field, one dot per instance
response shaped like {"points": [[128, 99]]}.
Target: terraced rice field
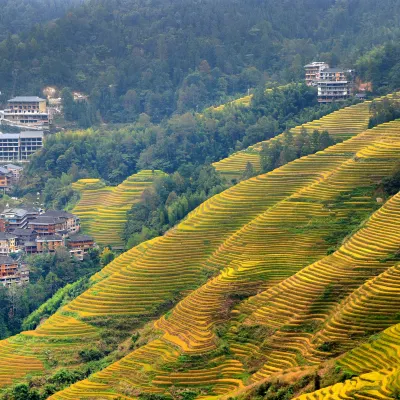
{"points": [[243, 288], [240, 102], [377, 362], [255, 257], [341, 124], [102, 209]]}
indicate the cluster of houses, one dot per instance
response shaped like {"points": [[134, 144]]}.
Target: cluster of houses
{"points": [[333, 84], [26, 230]]}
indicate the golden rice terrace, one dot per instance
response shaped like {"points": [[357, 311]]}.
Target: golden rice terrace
{"points": [[288, 281]]}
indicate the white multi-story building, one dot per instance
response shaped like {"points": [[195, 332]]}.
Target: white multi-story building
{"points": [[19, 146], [335, 84]]}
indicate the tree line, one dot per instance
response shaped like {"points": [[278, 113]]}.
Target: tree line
{"points": [[159, 58]]}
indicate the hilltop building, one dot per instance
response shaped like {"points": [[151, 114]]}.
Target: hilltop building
{"points": [[334, 84], [26, 111], [313, 71], [19, 146]]}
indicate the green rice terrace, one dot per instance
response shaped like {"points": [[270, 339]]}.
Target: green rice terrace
{"points": [[102, 209]]}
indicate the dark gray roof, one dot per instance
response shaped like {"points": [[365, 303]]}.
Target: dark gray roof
{"points": [[7, 260], [42, 219], [23, 232], [49, 238], [4, 235], [4, 171], [80, 238], [58, 214], [30, 134], [19, 99], [19, 212]]}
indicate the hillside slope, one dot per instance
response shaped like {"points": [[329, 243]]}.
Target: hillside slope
{"points": [[240, 290], [160, 57], [103, 209], [340, 124]]}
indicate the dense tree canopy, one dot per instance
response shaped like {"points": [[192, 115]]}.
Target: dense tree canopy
{"points": [[381, 66], [20, 16], [159, 57]]}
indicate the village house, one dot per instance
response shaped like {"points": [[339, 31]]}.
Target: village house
{"points": [[79, 245], [55, 222], [49, 243], [17, 217], [71, 221], [24, 229], [23, 237], [15, 171], [8, 243], [12, 272], [6, 179]]}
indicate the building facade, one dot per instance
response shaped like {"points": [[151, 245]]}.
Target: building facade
{"points": [[79, 245], [12, 272], [48, 244], [18, 217], [19, 146], [335, 84], [28, 111], [8, 243], [313, 70]]}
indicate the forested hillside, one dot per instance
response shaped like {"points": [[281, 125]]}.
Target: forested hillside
{"points": [[19, 16], [159, 57]]}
